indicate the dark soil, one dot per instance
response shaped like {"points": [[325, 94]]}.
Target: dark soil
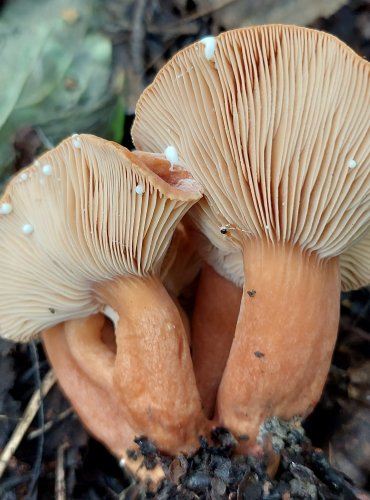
{"points": [[340, 424], [214, 472]]}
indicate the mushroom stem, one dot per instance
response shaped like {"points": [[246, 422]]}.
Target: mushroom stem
{"points": [[213, 325], [284, 338], [153, 371], [88, 386], [96, 405]]}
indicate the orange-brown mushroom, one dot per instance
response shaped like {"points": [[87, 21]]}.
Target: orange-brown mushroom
{"points": [[213, 325], [97, 407], [216, 307], [273, 121], [84, 229]]}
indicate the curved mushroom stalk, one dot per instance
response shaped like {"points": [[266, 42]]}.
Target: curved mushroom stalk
{"points": [[88, 390], [213, 325], [284, 337], [87, 386], [153, 374], [149, 378]]}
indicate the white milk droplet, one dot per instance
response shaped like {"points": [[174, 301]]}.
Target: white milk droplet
{"points": [[76, 141], [171, 154], [47, 169], [6, 208], [209, 43], [27, 229]]}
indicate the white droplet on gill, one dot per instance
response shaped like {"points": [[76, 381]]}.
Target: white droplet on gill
{"points": [[6, 208], [171, 155], [27, 229], [209, 43], [47, 169], [76, 142]]}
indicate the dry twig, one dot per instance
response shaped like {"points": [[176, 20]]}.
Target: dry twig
{"points": [[28, 416], [50, 424], [60, 485]]}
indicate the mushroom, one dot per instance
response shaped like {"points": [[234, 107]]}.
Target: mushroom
{"points": [[97, 407], [217, 305], [213, 325], [84, 230], [274, 123]]}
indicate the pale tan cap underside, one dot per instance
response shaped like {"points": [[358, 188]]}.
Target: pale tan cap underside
{"points": [[86, 224], [271, 127], [355, 264], [220, 251]]}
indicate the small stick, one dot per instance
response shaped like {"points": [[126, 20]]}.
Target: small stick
{"points": [[28, 416], [60, 485], [48, 425]]}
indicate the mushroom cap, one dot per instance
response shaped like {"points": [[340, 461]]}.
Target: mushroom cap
{"points": [[275, 126], [85, 212]]}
